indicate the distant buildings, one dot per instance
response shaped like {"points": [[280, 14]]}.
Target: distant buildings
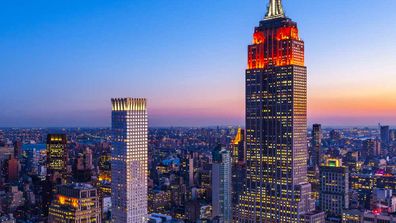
{"points": [[383, 200], [315, 151], [7, 219], [159, 218], [334, 189], [15, 199], [129, 168], [335, 135], [222, 185], [104, 181], [371, 149], [75, 203], [385, 134], [83, 166], [13, 169]]}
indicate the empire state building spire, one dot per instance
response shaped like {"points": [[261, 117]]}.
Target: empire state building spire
{"points": [[275, 10]]}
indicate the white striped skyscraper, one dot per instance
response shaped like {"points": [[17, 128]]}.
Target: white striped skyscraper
{"points": [[129, 160]]}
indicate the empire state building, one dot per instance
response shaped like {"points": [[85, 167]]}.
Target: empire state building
{"points": [[277, 189]]}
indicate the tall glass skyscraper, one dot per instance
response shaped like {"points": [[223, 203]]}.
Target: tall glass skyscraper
{"points": [[129, 160], [276, 125]]}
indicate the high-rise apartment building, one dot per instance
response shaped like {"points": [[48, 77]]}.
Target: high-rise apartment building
{"points": [[277, 189], [334, 189], [222, 185], [129, 168], [75, 203]]}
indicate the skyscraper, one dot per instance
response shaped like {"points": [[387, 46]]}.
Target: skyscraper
{"points": [[129, 160], [384, 130], [276, 124], [56, 158], [315, 154], [221, 185], [56, 167]]}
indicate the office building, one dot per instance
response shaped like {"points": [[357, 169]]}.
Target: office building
{"points": [[129, 168], [277, 188], [75, 203], [56, 165], [56, 158], [334, 189]]}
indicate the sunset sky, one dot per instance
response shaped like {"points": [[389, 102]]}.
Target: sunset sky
{"points": [[61, 61]]}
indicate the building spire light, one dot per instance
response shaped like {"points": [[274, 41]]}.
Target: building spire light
{"points": [[275, 10]]}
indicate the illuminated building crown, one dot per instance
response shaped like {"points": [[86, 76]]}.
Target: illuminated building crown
{"points": [[275, 10]]}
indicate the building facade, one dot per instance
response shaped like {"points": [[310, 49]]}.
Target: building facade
{"points": [[315, 152], [129, 168], [334, 189], [277, 189], [222, 185], [56, 158], [56, 165], [385, 136], [238, 169], [75, 203], [371, 149]]}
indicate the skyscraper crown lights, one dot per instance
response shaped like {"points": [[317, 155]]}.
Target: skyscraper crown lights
{"points": [[275, 10]]}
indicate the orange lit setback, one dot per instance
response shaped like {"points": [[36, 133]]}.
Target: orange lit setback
{"points": [[238, 137], [63, 200], [277, 46]]}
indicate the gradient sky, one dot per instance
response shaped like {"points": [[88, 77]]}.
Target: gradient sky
{"points": [[61, 61]]}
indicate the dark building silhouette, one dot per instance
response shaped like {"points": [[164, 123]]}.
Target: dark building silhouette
{"points": [[238, 169], [315, 151], [385, 136]]}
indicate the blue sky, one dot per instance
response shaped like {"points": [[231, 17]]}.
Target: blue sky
{"points": [[61, 61]]}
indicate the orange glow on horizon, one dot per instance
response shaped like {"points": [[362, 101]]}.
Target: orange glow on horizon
{"points": [[351, 106]]}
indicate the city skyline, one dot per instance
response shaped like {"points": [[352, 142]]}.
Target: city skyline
{"points": [[344, 87], [188, 133]]}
